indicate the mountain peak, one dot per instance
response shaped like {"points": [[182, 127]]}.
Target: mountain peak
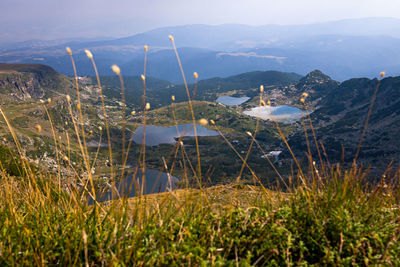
{"points": [[316, 74], [316, 82]]}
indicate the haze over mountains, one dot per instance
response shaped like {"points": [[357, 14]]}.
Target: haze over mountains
{"points": [[341, 49]]}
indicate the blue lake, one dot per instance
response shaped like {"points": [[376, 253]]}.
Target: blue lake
{"points": [[282, 110], [156, 135], [155, 182], [283, 113], [232, 101]]}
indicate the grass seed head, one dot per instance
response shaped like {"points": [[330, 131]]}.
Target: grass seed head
{"points": [[171, 38], [116, 69], [302, 100], [78, 106], [90, 132], [195, 75], [146, 47], [173, 98], [100, 128], [133, 113], [38, 128], [49, 100], [262, 103], [69, 51], [261, 88], [269, 102], [147, 107], [249, 134], [212, 122], [203, 122], [42, 101], [65, 158], [4, 139], [84, 237], [382, 74], [143, 77], [68, 98], [88, 54], [304, 95]]}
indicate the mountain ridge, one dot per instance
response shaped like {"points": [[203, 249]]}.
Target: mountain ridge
{"points": [[337, 48]]}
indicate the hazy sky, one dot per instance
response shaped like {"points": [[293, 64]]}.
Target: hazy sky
{"points": [[53, 19]]}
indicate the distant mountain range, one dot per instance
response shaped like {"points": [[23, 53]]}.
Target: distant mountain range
{"points": [[341, 49]]}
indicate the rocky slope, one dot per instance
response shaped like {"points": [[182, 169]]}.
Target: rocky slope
{"points": [[340, 115], [31, 81]]}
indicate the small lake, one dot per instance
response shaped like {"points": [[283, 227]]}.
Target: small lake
{"points": [[232, 101], [156, 135], [155, 182], [283, 113]]}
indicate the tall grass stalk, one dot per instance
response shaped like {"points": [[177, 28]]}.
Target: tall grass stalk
{"points": [[117, 71], [146, 107], [190, 107], [81, 127], [90, 56], [55, 144], [301, 174], [262, 103], [26, 167], [268, 160], [255, 177], [82, 148], [367, 120]]}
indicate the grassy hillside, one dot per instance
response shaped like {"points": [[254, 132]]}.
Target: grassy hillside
{"points": [[338, 222]]}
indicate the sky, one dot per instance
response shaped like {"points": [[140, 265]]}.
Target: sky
{"points": [[58, 19]]}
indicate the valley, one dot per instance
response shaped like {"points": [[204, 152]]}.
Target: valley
{"points": [[337, 110]]}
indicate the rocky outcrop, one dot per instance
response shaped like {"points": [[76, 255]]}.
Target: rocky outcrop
{"points": [[26, 81], [21, 86]]}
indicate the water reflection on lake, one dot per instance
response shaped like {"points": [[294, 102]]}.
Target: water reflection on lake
{"points": [[155, 182], [282, 113], [156, 135], [232, 101]]}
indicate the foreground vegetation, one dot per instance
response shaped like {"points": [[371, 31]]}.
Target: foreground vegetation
{"points": [[338, 223]]}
